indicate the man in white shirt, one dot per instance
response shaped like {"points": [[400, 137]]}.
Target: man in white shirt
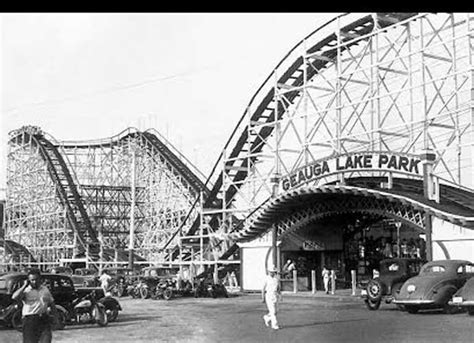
{"points": [[271, 295], [36, 299], [104, 281]]}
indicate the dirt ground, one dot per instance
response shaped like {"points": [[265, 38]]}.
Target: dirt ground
{"points": [[303, 318]]}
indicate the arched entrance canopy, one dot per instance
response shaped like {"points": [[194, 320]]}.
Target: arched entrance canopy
{"points": [[334, 200]]}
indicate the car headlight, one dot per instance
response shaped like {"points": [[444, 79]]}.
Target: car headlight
{"points": [[411, 288]]}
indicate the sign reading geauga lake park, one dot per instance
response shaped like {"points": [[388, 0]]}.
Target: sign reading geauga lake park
{"points": [[352, 162]]}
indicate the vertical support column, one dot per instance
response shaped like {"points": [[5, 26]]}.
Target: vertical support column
{"points": [[132, 210], [410, 81], [333, 281], [428, 158], [201, 233], [215, 275], [353, 281], [470, 47], [426, 144], [180, 249], [338, 87], [101, 249], [305, 104], [295, 281], [339, 96], [313, 281], [457, 128], [276, 177], [398, 226]]}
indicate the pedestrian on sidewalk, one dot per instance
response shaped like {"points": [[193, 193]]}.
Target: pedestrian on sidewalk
{"points": [[271, 295], [325, 274]]}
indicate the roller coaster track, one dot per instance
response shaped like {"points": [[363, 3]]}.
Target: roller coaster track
{"points": [[68, 194], [183, 169], [266, 113], [169, 154]]}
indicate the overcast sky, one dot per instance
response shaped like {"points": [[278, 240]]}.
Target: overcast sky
{"points": [[90, 76]]}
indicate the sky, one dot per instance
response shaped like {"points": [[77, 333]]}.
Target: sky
{"points": [[83, 76]]}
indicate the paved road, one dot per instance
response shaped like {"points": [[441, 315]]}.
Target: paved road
{"points": [[305, 318]]}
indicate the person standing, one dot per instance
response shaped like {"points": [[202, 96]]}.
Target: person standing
{"points": [[104, 281], [325, 275], [36, 299], [271, 295]]}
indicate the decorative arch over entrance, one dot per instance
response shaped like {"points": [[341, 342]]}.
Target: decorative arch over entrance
{"points": [[292, 207]]}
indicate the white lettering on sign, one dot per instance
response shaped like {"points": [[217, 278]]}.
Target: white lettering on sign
{"points": [[367, 161]]}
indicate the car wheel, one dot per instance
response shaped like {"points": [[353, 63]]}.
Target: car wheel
{"points": [[61, 320], [17, 322], [412, 309], [372, 305], [100, 316], [167, 294], [470, 310], [144, 293], [374, 290], [112, 314]]}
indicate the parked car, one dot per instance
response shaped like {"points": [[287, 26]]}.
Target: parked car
{"points": [[157, 282], [464, 297], [85, 277], [393, 273], [121, 279], [10, 310], [437, 282], [62, 290], [204, 286], [60, 270]]}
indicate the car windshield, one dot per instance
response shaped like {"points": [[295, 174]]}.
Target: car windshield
{"points": [[433, 269]]}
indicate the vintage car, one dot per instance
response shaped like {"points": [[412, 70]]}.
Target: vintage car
{"points": [[437, 282], [158, 282], [85, 277], [464, 297], [62, 290], [60, 270], [393, 273], [121, 278]]}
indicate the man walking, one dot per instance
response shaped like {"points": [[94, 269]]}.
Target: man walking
{"points": [[36, 299], [104, 281], [271, 295], [325, 275]]}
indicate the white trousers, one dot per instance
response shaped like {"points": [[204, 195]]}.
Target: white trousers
{"points": [[326, 284], [272, 311]]}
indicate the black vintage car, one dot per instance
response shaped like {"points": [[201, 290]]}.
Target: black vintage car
{"points": [[62, 290], [392, 274]]}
